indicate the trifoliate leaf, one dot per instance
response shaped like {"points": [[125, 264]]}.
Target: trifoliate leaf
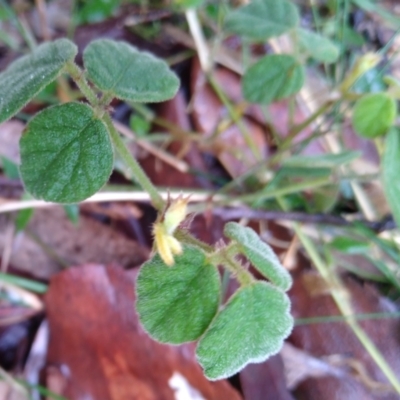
{"points": [[250, 328], [317, 46], [66, 154], [274, 77], [259, 254], [127, 73], [262, 19], [28, 75], [176, 304], [374, 114]]}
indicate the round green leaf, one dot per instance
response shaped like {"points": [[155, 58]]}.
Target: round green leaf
{"points": [[263, 19], [272, 78], [259, 254], [176, 304], [319, 47], [390, 172], [66, 154], [126, 73], [250, 328], [374, 114], [27, 76]]}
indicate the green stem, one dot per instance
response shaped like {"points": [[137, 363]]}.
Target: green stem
{"points": [[235, 118], [226, 258], [79, 78], [343, 304], [133, 165], [271, 194]]}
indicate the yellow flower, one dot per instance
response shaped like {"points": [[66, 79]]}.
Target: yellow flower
{"points": [[163, 229]]}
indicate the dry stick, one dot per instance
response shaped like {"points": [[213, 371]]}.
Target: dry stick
{"points": [[180, 165], [206, 66]]}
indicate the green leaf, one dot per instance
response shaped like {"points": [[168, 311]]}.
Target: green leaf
{"points": [[123, 71], [259, 254], [262, 19], [66, 154], [23, 218], [324, 160], [27, 76], [317, 46], [274, 77], [390, 172], [349, 245], [250, 328], [374, 114], [176, 304]]}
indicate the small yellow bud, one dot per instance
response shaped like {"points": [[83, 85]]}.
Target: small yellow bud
{"points": [[167, 245]]}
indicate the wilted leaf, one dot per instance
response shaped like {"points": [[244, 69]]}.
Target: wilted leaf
{"points": [[66, 154], [262, 19], [259, 254], [250, 328], [176, 304], [374, 114], [27, 76], [129, 74], [274, 77]]}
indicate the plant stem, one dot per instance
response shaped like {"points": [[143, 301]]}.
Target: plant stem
{"points": [[236, 118], [79, 78], [226, 258], [344, 306], [270, 194], [133, 165]]}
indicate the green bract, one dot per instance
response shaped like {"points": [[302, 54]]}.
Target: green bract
{"points": [[250, 328], [124, 72], [66, 154], [274, 77], [374, 114], [176, 304], [263, 19], [317, 46], [259, 254], [27, 76], [390, 172]]}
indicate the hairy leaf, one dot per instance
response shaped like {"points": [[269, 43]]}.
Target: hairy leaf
{"points": [[66, 154], [317, 46], [176, 304], [262, 19], [27, 76], [121, 70], [259, 254], [274, 77], [374, 114], [250, 328]]}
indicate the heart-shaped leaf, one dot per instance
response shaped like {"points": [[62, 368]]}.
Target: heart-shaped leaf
{"points": [[176, 304], [129, 74], [317, 46], [263, 19], [66, 154], [27, 76], [390, 172], [374, 114], [250, 328], [259, 254], [272, 78]]}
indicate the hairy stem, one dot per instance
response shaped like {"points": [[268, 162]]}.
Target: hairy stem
{"points": [[137, 171], [79, 78]]}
